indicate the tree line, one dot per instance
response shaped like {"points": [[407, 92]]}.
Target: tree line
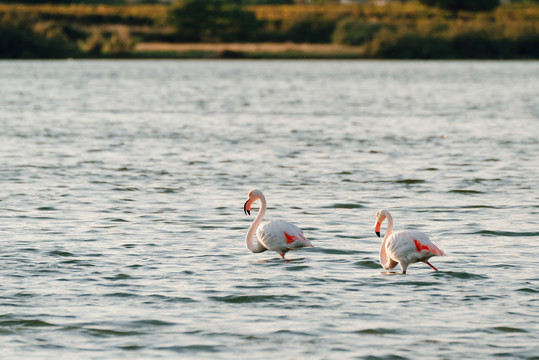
{"points": [[443, 29]]}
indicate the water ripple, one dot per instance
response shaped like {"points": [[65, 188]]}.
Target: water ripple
{"points": [[121, 193], [506, 233], [459, 275], [241, 299], [191, 348], [378, 331]]}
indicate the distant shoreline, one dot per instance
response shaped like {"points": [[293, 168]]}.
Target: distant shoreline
{"points": [[286, 50], [362, 31]]}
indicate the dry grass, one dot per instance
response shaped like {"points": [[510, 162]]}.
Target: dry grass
{"points": [[151, 12], [325, 49]]}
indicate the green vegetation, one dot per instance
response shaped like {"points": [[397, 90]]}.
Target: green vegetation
{"points": [[446, 29], [509, 32], [18, 43], [60, 31], [463, 5], [212, 21], [355, 31], [24, 37]]}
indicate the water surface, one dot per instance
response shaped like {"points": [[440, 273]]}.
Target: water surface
{"points": [[122, 229]]}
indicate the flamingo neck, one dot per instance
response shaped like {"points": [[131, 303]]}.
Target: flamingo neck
{"points": [[252, 244], [389, 226], [383, 254]]}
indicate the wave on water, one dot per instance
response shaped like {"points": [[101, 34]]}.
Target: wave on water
{"points": [[410, 181], [377, 331], [459, 275], [60, 253], [416, 283], [24, 323], [169, 299], [47, 208], [507, 329], [506, 233], [111, 333], [242, 299], [368, 264], [343, 206], [529, 290], [121, 295], [131, 347], [297, 268], [465, 191], [292, 332], [279, 261], [481, 207], [117, 277], [191, 348], [152, 322], [337, 251]]}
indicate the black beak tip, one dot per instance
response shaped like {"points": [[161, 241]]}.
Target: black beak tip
{"points": [[377, 233]]}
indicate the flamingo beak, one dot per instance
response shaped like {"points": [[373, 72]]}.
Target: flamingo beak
{"points": [[247, 207], [377, 228]]}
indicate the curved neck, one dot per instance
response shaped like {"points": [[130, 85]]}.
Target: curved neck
{"points": [[386, 262], [252, 244], [389, 226]]}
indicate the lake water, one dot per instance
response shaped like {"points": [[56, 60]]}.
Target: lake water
{"points": [[122, 186]]}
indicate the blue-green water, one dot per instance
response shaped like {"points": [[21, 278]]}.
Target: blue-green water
{"points": [[122, 227]]}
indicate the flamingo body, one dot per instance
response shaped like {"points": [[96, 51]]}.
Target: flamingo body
{"points": [[279, 236], [404, 247], [408, 247]]}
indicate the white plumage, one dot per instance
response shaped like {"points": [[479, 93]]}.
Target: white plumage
{"points": [[279, 236], [404, 247]]}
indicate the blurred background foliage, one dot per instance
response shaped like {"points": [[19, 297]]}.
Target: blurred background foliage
{"points": [[424, 29]]}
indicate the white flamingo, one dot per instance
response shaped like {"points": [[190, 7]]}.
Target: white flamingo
{"points": [[279, 236], [404, 247]]}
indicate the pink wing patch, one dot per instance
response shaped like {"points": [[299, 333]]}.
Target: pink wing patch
{"points": [[290, 238], [421, 247]]}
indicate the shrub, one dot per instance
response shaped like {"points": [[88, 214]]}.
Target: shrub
{"points": [[355, 32], [310, 29], [17, 43], [118, 44], [464, 5], [527, 46], [93, 45], [479, 45], [107, 43], [212, 20], [410, 45]]}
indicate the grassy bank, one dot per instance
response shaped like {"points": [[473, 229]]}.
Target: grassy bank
{"points": [[398, 30], [249, 51]]}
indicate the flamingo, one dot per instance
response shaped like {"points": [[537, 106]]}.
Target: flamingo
{"points": [[279, 236], [404, 247]]}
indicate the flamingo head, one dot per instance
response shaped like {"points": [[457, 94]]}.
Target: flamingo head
{"points": [[380, 217], [254, 195]]}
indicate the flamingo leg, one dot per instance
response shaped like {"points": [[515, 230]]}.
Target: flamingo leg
{"points": [[282, 255], [429, 264], [403, 267]]}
